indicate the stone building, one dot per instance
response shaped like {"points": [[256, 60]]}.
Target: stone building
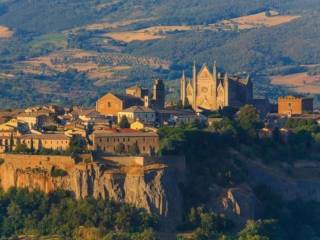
{"points": [[210, 90], [158, 95], [109, 140], [59, 142], [32, 119], [144, 114], [294, 105], [176, 117], [110, 104], [137, 91]]}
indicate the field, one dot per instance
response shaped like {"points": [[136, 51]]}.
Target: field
{"points": [[101, 68], [57, 39], [159, 32], [5, 32], [300, 82], [257, 20], [108, 25]]}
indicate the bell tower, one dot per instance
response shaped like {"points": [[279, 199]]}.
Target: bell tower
{"points": [[158, 94], [183, 88]]}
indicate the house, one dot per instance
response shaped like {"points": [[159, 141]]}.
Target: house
{"points": [[13, 125], [32, 119], [59, 142], [176, 117], [109, 141], [143, 114], [137, 91], [294, 105]]}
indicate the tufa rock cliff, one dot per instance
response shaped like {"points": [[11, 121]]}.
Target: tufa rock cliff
{"points": [[154, 188]]}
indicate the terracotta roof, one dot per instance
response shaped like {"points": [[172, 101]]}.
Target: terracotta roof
{"points": [[177, 112], [58, 136], [123, 133], [31, 114]]}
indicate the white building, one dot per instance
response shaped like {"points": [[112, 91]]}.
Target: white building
{"points": [[143, 114]]}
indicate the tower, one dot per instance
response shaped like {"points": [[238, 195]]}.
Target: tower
{"points": [[226, 89], [158, 94], [183, 86], [215, 84], [194, 87]]}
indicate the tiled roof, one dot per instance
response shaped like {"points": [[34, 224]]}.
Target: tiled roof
{"points": [[142, 109], [123, 133], [58, 136]]}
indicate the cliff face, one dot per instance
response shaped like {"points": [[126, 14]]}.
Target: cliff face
{"points": [[289, 188], [154, 189]]}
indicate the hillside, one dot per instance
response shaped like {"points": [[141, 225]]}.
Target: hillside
{"points": [[70, 49]]}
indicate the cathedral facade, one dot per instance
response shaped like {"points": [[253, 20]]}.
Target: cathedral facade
{"points": [[210, 90]]}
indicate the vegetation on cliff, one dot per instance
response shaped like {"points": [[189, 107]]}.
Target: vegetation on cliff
{"points": [[59, 213], [211, 161]]}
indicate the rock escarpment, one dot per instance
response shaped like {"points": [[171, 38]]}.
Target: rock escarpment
{"points": [[153, 188]]}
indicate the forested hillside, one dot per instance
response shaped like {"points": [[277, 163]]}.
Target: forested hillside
{"points": [[152, 39]]}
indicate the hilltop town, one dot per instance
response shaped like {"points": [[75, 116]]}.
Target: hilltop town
{"points": [[138, 148], [127, 124]]}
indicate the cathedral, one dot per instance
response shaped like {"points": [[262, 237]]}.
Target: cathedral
{"points": [[210, 90]]}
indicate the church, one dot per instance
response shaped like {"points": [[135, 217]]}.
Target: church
{"points": [[211, 90]]}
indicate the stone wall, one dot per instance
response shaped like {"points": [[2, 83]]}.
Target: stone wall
{"points": [[125, 160], [45, 161]]}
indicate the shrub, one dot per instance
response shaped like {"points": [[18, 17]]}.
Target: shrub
{"points": [[58, 172]]}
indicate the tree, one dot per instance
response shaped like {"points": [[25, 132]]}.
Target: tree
{"points": [[120, 148], [14, 216], [249, 120], [21, 148], [134, 149], [261, 230], [124, 123], [77, 145]]}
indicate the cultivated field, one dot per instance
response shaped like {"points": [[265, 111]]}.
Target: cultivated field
{"points": [[300, 82], [5, 32], [159, 32], [260, 20], [145, 34]]}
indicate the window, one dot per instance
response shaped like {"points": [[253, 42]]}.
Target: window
{"points": [[109, 104]]}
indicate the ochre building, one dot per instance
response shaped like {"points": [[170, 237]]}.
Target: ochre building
{"points": [[210, 90], [294, 105], [59, 142], [110, 104], [108, 141]]}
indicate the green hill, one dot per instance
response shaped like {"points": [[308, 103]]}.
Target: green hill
{"points": [[172, 32]]}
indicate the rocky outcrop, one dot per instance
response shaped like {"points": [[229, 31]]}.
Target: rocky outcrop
{"points": [[155, 189], [238, 204], [241, 202]]}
